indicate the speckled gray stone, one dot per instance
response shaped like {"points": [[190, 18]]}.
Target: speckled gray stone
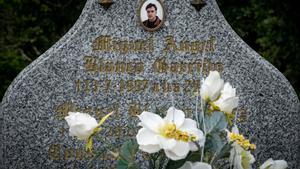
{"points": [[33, 134]]}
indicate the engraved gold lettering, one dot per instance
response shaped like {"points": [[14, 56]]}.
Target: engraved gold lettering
{"points": [[190, 68], [139, 67], [184, 46], [130, 85], [174, 67], [54, 152], [107, 85], [130, 67], [166, 87], [176, 87], [138, 45], [78, 85], [64, 109], [151, 45], [134, 110], [170, 44], [68, 153], [107, 44], [109, 67], [195, 47], [160, 66], [122, 86], [243, 116], [212, 46], [86, 86], [79, 154], [155, 87], [90, 64], [96, 86], [120, 67], [187, 86], [62, 132]]}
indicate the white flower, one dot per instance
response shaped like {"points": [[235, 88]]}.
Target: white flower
{"points": [[81, 125], [196, 165], [271, 164], [228, 100], [175, 134], [212, 86], [239, 158]]}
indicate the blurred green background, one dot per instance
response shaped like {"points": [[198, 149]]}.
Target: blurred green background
{"points": [[30, 27]]}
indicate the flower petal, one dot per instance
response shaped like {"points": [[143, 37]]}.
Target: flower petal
{"points": [[187, 165], [166, 143], [228, 104], [146, 137], [193, 146], [175, 116], [80, 131], [199, 165], [212, 86], [199, 136], [173, 156], [81, 124], [188, 124], [149, 148], [280, 164], [181, 149], [267, 164], [228, 100], [274, 164], [151, 121]]}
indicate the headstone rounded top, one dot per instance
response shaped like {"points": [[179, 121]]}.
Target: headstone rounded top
{"points": [[108, 61]]}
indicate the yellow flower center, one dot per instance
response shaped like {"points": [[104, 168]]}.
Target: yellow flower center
{"points": [[240, 140], [170, 131]]}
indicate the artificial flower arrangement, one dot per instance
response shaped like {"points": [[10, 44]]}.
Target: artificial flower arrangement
{"points": [[178, 142]]}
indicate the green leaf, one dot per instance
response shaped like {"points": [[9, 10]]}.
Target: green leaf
{"points": [[127, 155], [223, 153], [215, 123], [217, 142]]}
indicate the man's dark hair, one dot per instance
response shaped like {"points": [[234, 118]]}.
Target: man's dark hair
{"points": [[151, 5]]}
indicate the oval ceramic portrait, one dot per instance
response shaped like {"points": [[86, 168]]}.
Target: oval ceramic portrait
{"points": [[152, 15]]}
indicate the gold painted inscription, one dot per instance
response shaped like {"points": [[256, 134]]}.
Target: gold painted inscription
{"points": [[108, 44], [162, 66], [190, 47], [95, 87], [93, 65], [63, 109], [98, 65], [62, 152]]}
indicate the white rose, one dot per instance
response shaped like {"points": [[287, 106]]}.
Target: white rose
{"points": [[196, 165], [271, 164], [175, 134], [81, 125], [212, 86], [228, 100]]}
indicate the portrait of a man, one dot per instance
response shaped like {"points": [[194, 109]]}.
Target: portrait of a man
{"points": [[153, 20], [152, 14]]}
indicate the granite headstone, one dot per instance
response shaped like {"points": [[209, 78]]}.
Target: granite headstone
{"points": [[109, 62]]}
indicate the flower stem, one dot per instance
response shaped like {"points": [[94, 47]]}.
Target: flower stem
{"points": [[204, 128], [197, 114], [236, 116]]}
